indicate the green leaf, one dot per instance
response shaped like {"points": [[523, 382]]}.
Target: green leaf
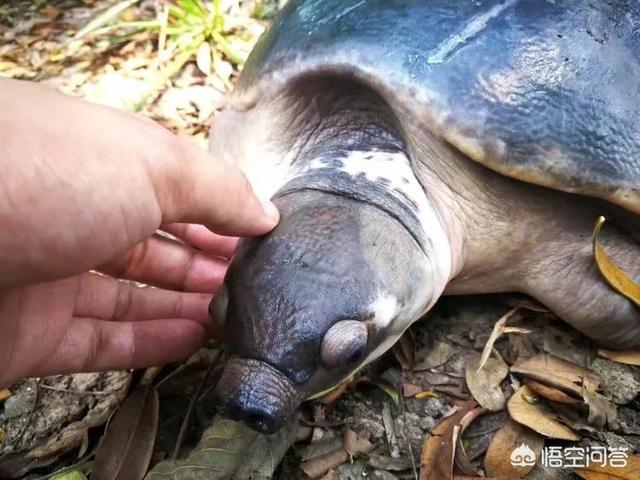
{"points": [[101, 20], [69, 475], [230, 450]]}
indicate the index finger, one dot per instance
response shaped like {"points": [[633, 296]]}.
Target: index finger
{"points": [[197, 188]]}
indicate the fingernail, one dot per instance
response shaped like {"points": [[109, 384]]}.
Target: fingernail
{"points": [[271, 210]]}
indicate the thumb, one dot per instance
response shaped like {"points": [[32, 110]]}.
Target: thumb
{"points": [[198, 188]]}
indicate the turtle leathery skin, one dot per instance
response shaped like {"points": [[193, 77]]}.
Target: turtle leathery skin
{"points": [[417, 148]]}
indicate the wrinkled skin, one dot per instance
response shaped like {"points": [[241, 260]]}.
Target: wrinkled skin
{"points": [[380, 216]]}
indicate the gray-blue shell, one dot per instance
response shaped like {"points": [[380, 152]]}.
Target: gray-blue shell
{"points": [[544, 91]]}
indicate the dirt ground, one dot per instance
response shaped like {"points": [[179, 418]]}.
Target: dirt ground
{"points": [[423, 407]]}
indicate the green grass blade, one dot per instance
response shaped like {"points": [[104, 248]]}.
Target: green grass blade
{"points": [[101, 20]]}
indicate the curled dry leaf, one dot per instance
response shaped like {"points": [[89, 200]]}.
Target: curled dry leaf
{"points": [[532, 416], [503, 458], [355, 444], [484, 382], [439, 448], [629, 357], [326, 460], [556, 372], [460, 455], [550, 393], [608, 472], [616, 278], [127, 445], [498, 329], [405, 351]]}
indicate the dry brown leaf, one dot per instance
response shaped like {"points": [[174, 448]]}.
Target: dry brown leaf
{"points": [[355, 444], [458, 477], [498, 460], [127, 445], [410, 390], [532, 416], [616, 278], [318, 466], [319, 448], [462, 477], [331, 475], [405, 351], [556, 372], [601, 411], [50, 12], [550, 393], [460, 455], [631, 357], [4, 394], [599, 472], [433, 355], [350, 446], [484, 382], [438, 450]]}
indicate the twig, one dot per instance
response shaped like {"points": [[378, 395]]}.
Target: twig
{"points": [[498, 329], [192, 403], [76, 392]]}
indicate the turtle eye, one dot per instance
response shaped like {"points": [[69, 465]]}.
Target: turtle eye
{"points": [[344, 344], [218, 306]]}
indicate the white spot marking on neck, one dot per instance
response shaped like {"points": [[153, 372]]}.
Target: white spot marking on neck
{"points": [[384, 309]]}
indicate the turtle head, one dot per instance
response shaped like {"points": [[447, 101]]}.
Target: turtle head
{"points": [[332, 287]]}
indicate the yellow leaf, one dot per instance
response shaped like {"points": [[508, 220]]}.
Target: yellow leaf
{"points": [[484, 382], [426, 394], [557, 373], [4, 394], [631, 357], [618, 280], [498, 461], [535, 418], [439, 448], [608, 472]]}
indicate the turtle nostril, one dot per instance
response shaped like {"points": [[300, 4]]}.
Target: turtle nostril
{"points": [[261, 421]]}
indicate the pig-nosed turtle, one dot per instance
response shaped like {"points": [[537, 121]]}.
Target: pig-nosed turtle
{"points": [[417, 148]]}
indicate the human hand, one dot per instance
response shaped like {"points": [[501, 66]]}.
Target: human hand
{"points": [[83, 188]]}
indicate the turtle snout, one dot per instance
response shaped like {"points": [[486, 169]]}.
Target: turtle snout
{"points": [[257, 394]]}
